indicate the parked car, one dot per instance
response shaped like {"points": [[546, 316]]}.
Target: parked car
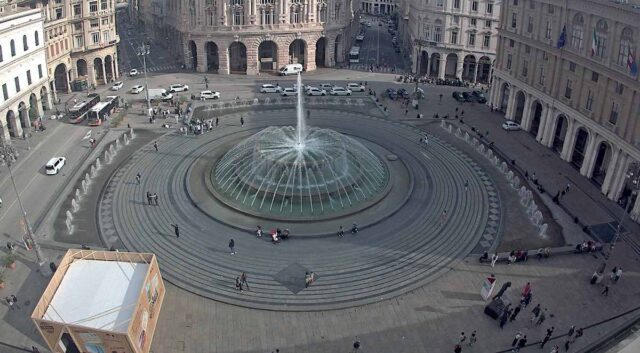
{"points": [[54, 165], [178, 87], [116, 86], [269, 88], [133, 72], [137, 89], [325, 86], [209, 95], [510, 125], [458, 96], [403, 93], [314, 91], [289, 91], [391, 93], [468, 97], [479, 97], [355, 87], [340, 91]]}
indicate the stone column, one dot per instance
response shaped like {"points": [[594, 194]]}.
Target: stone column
{"points": [[569, 141], [91, 73], [611, 170], [223, 54], [511, 103], [635, 211], [116, 72], [252, 60], [546, 131], [526, 114], [5, 137], [494, 91], [310, 57], [104, 73], [49, 97], [442, 65], [69, 79], [329, 59], [459, 67], [590, 156], [201, 56], [475, 72], [619, 177]]}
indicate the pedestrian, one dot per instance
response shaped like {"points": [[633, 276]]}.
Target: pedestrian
{"points": [[406, 111], [579, 333], [494, 259], [515, 312], [555, 349], [155, 199], [340, 232], [308, 114], [14, 299], [541, 317], [440, 98], [521, 344], [243, 280], [526, 289], [356, 344], [138, 178], [613, 272], [566, 190], [217, 121], [176, 230], [155, 145], [536, 313], [618, 274], [34, 349], [571, 331], [149, 198], [605, 292], [232, 245], [9, 302], [516, 338], [505, 316], [241, 120], [466, 186], [462, 338], [472, 339], [443, 217], [544, 341], [457, 349], [502, 290], [238, 284]]}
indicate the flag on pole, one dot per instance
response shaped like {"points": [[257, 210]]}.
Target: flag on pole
{"points": [[594, 43], [563, 37], [631, 62]]}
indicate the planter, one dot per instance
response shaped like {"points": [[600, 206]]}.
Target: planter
{"points": [[12, 265]]}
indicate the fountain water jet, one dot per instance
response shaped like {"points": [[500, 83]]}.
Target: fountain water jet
{"points": [[74, 206], [69, 222]]}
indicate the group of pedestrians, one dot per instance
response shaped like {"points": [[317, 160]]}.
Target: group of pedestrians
{"points": [[152, 199], [241, 282], [12, 302]]}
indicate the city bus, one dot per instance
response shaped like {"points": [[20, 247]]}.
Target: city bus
{"points": [[79, 111], [354, 55], [97, 114]]}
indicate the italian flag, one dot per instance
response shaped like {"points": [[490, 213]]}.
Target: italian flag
{"points": [[594, 43]]}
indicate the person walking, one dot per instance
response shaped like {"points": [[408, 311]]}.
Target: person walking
{"points": [[541, 317], [457, 349], [217, 121], [340, 232], [572, 329], [466, 185], [155, 199], [504, 317], [14, 299], [238, 284], [473, 338], [516, 338], [9, 302], [241, 120], [243, 280], [138, 177], [526, 289], [547, 337], [502, 290], [605, 292], [521, 344], [618, 274], [176, 230], [536, 313], [516, 311], [555, 349], [149, 198], [232, 245], [462, 338], [443, 217], [494, 259], [155, 145]]}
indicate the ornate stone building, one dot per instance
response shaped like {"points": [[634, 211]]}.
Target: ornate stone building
{"points": [[567, 72], [450, 38], [378, 7], [81, 41], [251, 36]]}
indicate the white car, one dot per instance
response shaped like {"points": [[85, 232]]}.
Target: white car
{"points": [[137, 89], [178, 87], [326, 86], [116, 86], [340, 91], [289, 91], [314, 91], [54, 165], [133, 72], [209, 95], [510, 125], [355, 87], [269, 88]]}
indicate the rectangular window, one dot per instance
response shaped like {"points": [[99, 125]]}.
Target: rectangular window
{"points": [[568, 90], [600, 45], [95, 37], [77, 26], [77, 10], [437, 34], [456, 19], [525, 68], [39, 70], [486, 41], [530, 25], [105, 21], [550, 9], [489, 8], [615, 110], [105, 36], [589, 105], [5, 91], [17, 82], [541, 77], [29, 77], [78, 41], [93, 6], [439, 3], [474, 22], [472, 39], [509, 60], [514, 20], [512, 43], [103, 4], [454, 37], [456, 4], [94, 24], [594, 76], [619, 88], [572, 66], [487, 24], [527, 49], [474, 6], [576, 37], [59, 13], [515, 2], [547, 33]]}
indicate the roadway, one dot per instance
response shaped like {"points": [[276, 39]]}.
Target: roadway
{"points": [[377, 47]]}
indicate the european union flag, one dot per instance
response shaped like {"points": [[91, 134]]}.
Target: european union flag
{"points": [[563, 37]]}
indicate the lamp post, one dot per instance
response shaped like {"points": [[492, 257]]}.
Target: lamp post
{"points": [[143, 50], [419, 43], [633, 178], [8, 155]]}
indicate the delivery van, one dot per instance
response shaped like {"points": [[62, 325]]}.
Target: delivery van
{"points": [[291, 69]]}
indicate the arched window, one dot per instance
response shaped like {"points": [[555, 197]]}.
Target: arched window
{"points": [[267, 12], [322, 11], [12, 44], [625, 48], [577, 32], [337, 13], [599, 46]]}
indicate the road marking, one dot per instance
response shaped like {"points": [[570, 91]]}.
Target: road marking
{"points": [[87, 135]]}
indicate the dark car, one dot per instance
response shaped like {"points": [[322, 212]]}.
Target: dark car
{"points": [[479, 97], [458, 96], [403, 93], [391, 93], [397, 49], [468, 96]]}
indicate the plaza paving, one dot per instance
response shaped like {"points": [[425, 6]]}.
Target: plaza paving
{"points": [[426, 319]]}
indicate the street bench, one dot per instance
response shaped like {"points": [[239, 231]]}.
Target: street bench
{"points": [[561, 250]]}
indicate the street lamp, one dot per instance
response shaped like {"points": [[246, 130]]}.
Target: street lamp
{"points": [[633, 178], [143, 50], [8, 156]]}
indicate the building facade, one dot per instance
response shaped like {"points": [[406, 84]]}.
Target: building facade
{"points": [[450, 38], [378, 7], [23, 70], [251, 36], [567, 72], [81, 41]]}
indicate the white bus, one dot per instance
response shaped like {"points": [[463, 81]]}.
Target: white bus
{"points": [[354, 55], [101, 110]]}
